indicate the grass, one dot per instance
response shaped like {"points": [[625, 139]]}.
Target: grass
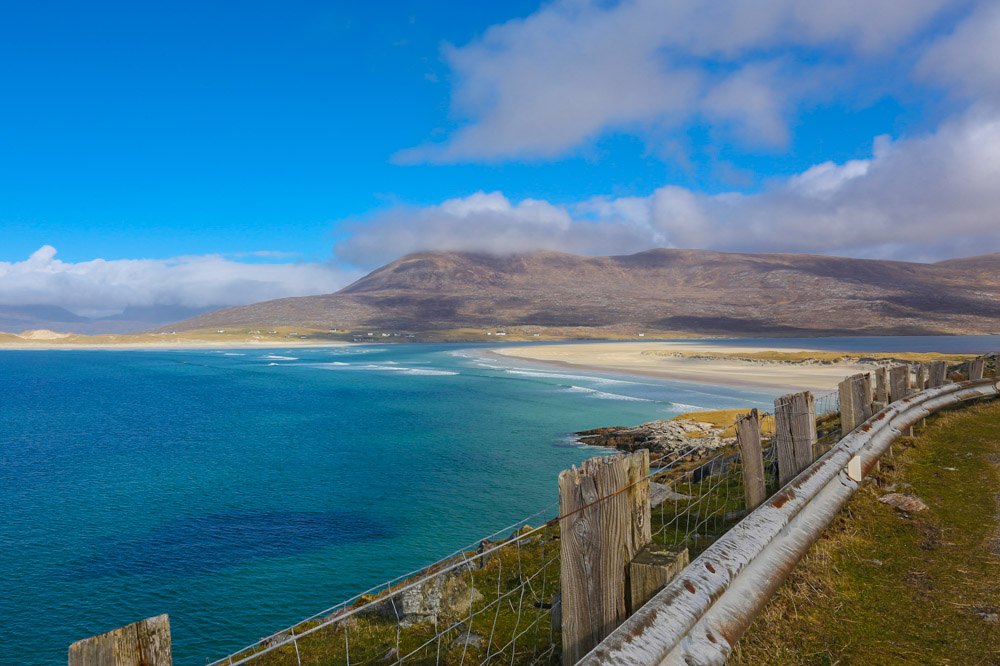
{"points": [[881, 587], [825, 357], [726, 419], [511, 612]]}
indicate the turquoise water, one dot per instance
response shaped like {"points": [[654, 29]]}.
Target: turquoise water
{"points": [[240, 491]]}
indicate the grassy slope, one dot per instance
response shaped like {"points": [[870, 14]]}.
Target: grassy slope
{"points": [[881, 587]]}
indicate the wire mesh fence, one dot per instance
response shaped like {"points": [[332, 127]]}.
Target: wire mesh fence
{"points": [[828, 425], [491, 602]]}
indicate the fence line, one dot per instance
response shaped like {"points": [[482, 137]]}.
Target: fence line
{"points": [[502, 598]]}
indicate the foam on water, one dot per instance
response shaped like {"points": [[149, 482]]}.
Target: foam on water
{"points": [[604, 395], [689, 408], [560, 375]]}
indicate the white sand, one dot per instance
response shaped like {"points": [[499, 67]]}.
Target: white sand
{"points": [[43, 334], [628, 358]]}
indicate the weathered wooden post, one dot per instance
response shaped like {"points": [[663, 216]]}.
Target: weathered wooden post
{"points": [[606, 521], [976, 368], [650, 570], [921, 382], [938, 374], [855, 401], [794, 433], [752, 458], [144, 643], [899, 382], [881, 387]]}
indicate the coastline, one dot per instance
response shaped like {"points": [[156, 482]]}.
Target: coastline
{"points": [[186, 345], [633, 358]]}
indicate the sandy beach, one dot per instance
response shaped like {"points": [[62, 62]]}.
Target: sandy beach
{"points": [[42, 339], [654, 359], [56, 341]]}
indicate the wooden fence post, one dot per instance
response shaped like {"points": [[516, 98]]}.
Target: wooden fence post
{"points": [[650, 570], [752, 458], [976, 368], [855, 402], [794, 433], [921, 377], [144, 643], [603, 528], [938, 375], [899, 382], [882, 386]]}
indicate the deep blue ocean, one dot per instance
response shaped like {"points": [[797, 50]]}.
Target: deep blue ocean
{"points": [[243, 490]]}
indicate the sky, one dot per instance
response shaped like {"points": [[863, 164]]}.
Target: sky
{"points": [[202, 154]]}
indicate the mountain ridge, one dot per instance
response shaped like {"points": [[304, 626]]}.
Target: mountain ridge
{"points": [[692, 291]]}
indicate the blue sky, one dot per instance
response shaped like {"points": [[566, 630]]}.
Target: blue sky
{"points": [[160, 153]]}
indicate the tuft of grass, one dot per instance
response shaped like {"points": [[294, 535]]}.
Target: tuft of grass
{"points": [[882, 587]]}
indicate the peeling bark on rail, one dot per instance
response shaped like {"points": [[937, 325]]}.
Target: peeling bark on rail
{"points": [[698, 617]]}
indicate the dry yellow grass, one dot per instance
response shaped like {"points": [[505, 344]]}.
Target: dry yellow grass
{"points": [[726, 418], [817, 356]]}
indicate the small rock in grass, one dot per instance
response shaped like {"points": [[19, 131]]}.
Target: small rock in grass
{"points": [[989, 614], [468, 639], [907, 503]]}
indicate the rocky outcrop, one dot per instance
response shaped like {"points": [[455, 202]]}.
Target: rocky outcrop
{"points": [[662, 438]]}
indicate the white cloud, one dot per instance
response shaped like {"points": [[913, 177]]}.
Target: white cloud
{"points": [[967, 61], [926, 197], [542, 85], [101, 287], [482, 222]]}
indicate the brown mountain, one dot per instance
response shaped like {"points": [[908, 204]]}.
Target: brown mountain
{"points": [[659, 290]]}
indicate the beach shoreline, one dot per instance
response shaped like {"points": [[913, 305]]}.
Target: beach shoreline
{"points": [[187, 345], [633, 358]]}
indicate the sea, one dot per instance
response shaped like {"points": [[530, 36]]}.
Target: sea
{"points": [[242, 490]]}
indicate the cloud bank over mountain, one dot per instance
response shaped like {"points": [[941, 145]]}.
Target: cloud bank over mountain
{"points": [[923, 198], [103, 287]]}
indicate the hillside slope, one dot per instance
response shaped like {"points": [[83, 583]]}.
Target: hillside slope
{"points": [[658, 290]]}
